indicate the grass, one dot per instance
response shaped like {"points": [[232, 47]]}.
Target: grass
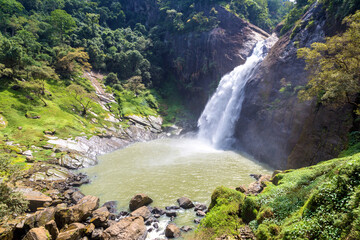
{"points": [[317, 202]]}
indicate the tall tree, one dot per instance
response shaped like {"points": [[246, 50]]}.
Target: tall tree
{"points": [[63, 23]]}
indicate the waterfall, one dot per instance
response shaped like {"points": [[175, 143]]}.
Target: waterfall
{"points": [[217, 121]]}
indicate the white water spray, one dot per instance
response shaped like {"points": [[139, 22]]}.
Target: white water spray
{"points": [[217, 122]]}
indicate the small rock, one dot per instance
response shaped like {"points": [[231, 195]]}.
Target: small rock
{"points": [[172, 231], [27, 153], [172, 208], [126, 228], [255, 176], [171, 214], [241, 189], [20, 128], [200, 213], [185, 228], [156, 225], [48, 146], [150, 229], [30, 159], [197, 220], [201, 207], [157, 215], [138, 201], [77, 196], [185, 203], [159, 211]]}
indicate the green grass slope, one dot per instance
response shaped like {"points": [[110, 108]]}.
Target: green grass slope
{"points": [[317, 202]]}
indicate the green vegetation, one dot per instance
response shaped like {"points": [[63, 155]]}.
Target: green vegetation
{"points": [[317, 202], [334, 66]]}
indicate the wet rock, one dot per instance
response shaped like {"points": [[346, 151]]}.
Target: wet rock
{"points": [[171, 214], [138, 201], [73, 231], [37, 234], [150, 229], [141, 212], [172, 208], [157, 215], [111, 206], [159, 211], [36, 199], [156, 225], [255, 176], [130, 228], [200, 206], [172, 231], [52, 229], [100, 217], [185, 228], [200, 213], [185, 203], [197, 220]]}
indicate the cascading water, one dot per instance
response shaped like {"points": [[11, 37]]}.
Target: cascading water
{"points": [[217, 122]]}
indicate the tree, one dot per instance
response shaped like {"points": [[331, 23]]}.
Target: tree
{"points": [[334, 66], [71, 60], [63, 23], [81, 97], [134, 84], [111, 79]]}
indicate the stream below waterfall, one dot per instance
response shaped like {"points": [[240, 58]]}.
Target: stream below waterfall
{"points": [[167, 169]]}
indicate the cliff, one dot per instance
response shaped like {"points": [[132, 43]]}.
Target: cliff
{"points": [[274, 125]]}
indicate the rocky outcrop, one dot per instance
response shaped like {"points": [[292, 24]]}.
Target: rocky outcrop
{"points": [[274, 126]]}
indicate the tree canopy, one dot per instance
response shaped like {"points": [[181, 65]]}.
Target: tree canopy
{"points": [[334, 66]]}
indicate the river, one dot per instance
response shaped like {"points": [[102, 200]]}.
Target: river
{"points": [[167, 169]]}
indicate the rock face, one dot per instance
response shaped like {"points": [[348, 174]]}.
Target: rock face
{"points": [[130, 228], [138, 201], [200, 59], [274, 126]]}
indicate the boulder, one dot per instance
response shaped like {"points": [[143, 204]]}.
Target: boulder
{"points": [[171, 214], [77, 196], [78, 212], [100, 217], [73, 232], [172, 231], [111, 206], [185, 203], [159, 211], [185, 228], [141, 212], [138, 201], [37, 234], [36, 199], [200, 206], [44, 216], [130, 228], [200, 213], [52, 229]]}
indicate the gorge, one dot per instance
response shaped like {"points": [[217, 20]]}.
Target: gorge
{"points": [[106, 102]]}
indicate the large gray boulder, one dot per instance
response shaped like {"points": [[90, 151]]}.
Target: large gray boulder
{"points": [[185, 203]]}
